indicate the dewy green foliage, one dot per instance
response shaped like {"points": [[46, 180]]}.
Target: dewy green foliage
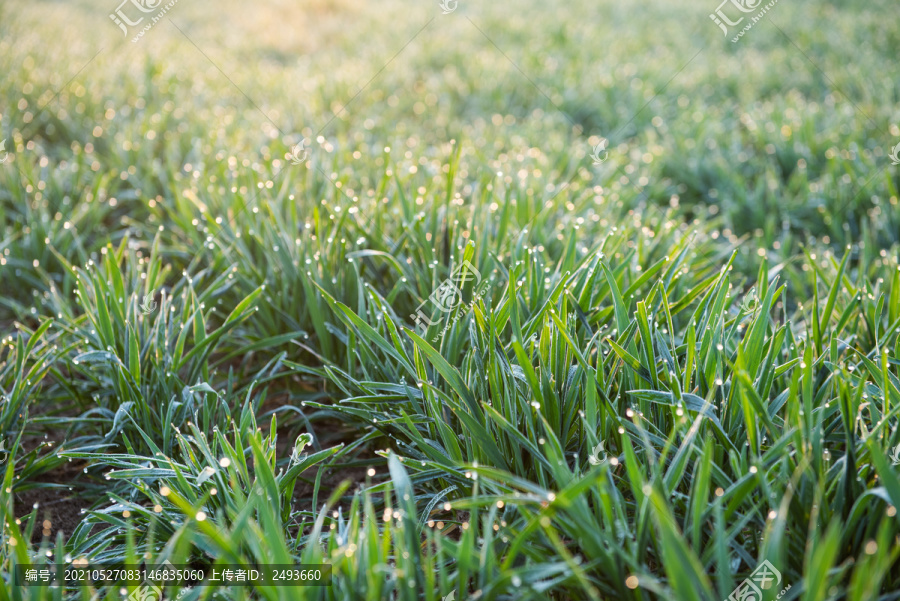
{"points": [[649, 375]]}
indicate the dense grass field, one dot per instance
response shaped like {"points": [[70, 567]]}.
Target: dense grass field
{"points": [[469, 301]]}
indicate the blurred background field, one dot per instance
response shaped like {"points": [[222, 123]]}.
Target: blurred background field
{"points": [[172, 282]]}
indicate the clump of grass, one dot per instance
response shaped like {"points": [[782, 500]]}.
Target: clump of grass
{"points": [[678, 363]]}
